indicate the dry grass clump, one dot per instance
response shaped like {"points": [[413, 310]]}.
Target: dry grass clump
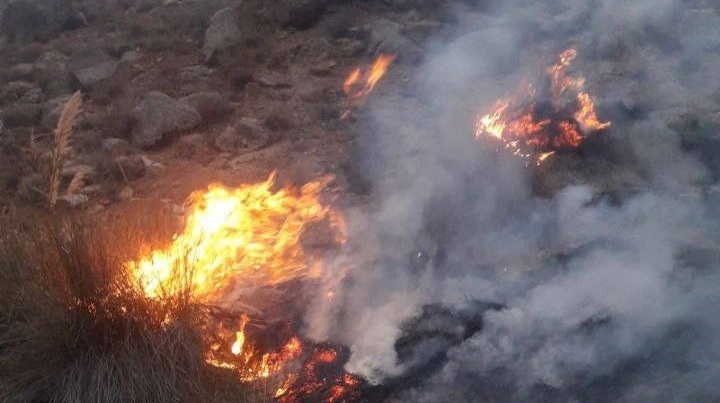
{"points": [[74, 326]]}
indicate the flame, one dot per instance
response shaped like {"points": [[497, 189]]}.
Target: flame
{"points": [[237, 346], [361, 81], [250, 233], [586, 116], [513, 120]]}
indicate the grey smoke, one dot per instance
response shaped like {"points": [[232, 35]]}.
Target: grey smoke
{"points": [[599, 299]]}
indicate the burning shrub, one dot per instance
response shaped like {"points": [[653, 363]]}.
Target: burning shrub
{"points": [[76, 328]]}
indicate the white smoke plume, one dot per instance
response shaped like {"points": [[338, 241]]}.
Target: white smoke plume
{"points": [[595, 298]]}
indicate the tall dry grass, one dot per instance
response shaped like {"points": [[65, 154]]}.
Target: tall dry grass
{"points": [[62, 144], [75, 328]]}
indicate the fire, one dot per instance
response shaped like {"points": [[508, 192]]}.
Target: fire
{"points": [[250, 233], [361, 81], [515, 123], [237, 346]]}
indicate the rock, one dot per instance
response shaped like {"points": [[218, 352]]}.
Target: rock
{"points": [[19, 115], [129, 167], [126, 193], [152, 166], [302, 14], [159, 115], [51, 72], [15, 90], [25, 21], [75, 199], [88, 172], [229, 140], [131, 57], [222, 33], [210, 105], [22, 71], [52, 61], [191, 145], [33, 96], [386, 37], [193, 74], [115, 146], [91, 66], [242, 137], [323, 69]]}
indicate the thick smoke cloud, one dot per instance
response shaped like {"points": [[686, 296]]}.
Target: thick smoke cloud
{"points": [[595, 298]]}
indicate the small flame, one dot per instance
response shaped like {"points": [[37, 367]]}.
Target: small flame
{"points": [[361, 81], [237, 346], [513, 120]]}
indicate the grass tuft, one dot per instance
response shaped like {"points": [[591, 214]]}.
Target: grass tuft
{"points": [[75, 328]]}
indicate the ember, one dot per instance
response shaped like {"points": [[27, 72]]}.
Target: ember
{"points": [[515, 122]]}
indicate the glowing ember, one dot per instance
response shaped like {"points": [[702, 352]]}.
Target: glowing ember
{"points": [[251, 233], [514, 121], [360, 82]]}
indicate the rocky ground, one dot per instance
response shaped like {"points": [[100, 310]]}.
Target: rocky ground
{"points": [[178, 94]]}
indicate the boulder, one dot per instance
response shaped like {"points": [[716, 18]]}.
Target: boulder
{"points": [[19, 115], [210, 105], [15, 90], [50, 70], [245, 136], [25, 21], [159, 115], [91, 66], [222, 33], [387, 37], [302, 14]]}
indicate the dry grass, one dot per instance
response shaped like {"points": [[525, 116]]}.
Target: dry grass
{"points": [[62, 143], [74, 328]]}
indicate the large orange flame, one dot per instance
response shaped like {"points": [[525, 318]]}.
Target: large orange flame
{"points": [[250, 233]]}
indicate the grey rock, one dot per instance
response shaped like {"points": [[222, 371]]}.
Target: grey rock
{"points": [[386, 37], [25, 21], [222, 33], [91, 66], [76, 199], [22, 71], [159, 115], [15, 90], [88, 172], [194, 73], [51, 72], [210, 105], [20, 115], [51, 61], [33, 96], [131, 57], [229, 140], [302, 14]]}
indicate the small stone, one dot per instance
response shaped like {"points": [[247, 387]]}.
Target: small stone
{"points": [[126, 193], [76, 200]]}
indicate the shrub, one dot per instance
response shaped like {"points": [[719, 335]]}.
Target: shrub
{"points": [[75, 328]]}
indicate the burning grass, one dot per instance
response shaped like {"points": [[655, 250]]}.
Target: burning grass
{"points": [[76, 328]]}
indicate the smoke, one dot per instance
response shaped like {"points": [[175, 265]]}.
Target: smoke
{"points": [[592, 297]]}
